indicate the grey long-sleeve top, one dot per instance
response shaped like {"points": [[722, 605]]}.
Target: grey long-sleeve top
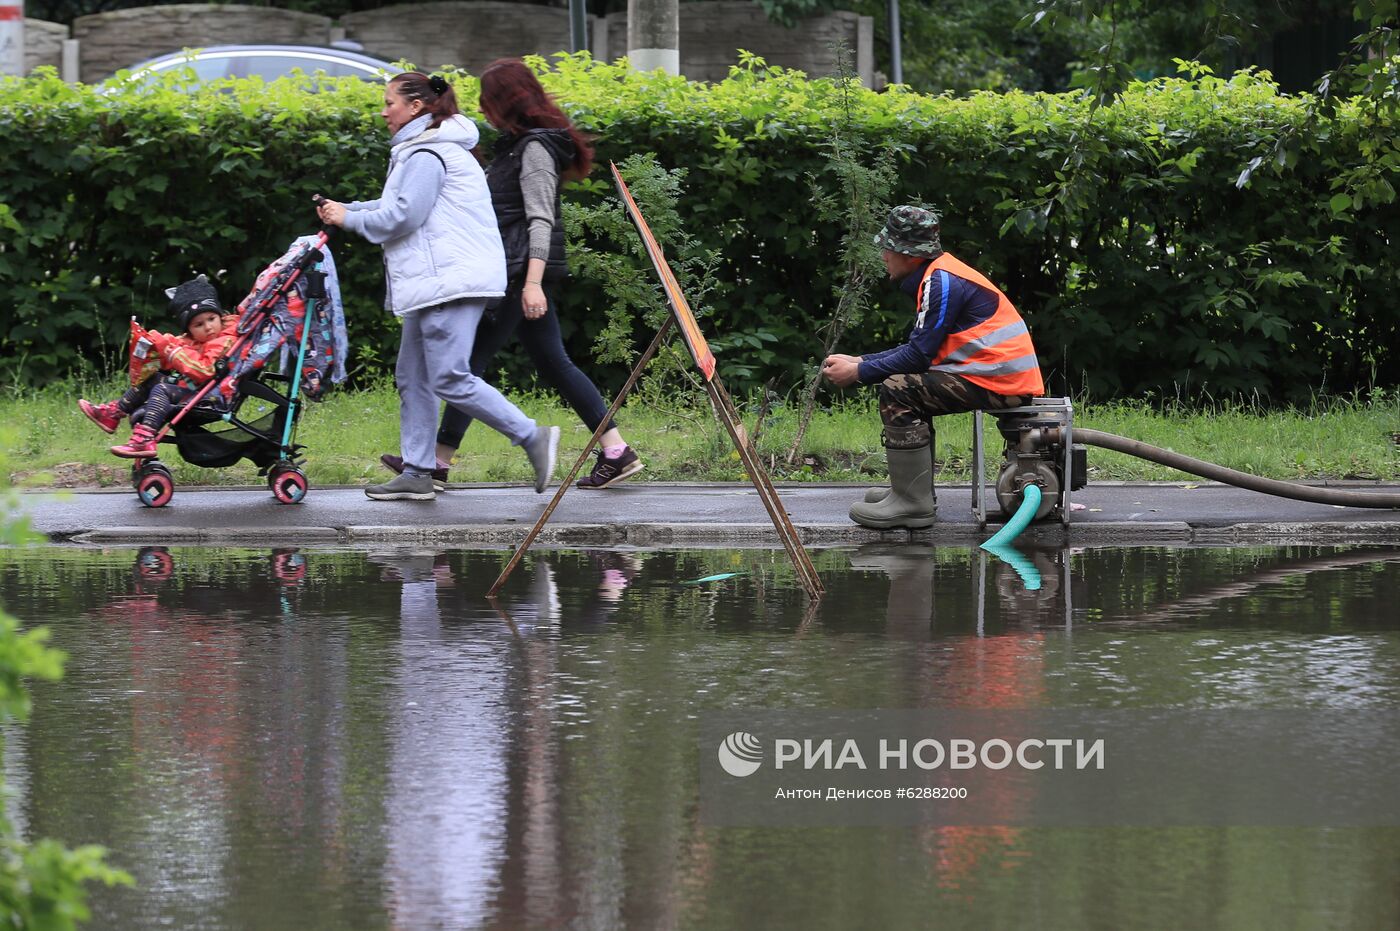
{"points": [[421, 182], [539, 186]]}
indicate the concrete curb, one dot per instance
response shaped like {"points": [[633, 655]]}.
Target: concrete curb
{"points": [[744, 536], [692, 515]]}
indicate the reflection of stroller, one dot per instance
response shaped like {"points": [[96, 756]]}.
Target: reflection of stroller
{"points": [[248, 411]]}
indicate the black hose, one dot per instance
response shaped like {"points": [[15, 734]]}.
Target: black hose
{"points": [[1269, 486]]}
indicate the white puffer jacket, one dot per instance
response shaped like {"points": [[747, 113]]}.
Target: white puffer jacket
{"points": [[456, 254]]}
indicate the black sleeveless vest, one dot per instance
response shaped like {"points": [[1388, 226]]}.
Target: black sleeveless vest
{"points": [[503, 180]]}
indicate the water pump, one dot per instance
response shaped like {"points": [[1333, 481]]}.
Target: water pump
{"points": [[1044, 449], [1037, 455]]}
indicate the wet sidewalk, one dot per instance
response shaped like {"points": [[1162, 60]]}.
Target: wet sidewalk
{"points": [[665, 514]]}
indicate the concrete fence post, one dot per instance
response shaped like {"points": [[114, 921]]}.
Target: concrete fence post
{"points": [[69, 61], [598, 34], [653, 35], [865, 50]]}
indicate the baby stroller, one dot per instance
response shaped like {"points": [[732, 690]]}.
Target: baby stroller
{"points": [[250, 410]]}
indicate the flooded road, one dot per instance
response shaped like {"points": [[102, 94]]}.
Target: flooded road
{"points": [[348, 739]]}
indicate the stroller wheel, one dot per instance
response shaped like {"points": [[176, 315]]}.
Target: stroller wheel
{"points": [[288, 485], [140, 468], [154, 486]]}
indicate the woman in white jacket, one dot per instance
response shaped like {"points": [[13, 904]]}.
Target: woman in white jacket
{"points": [[442, 261]]}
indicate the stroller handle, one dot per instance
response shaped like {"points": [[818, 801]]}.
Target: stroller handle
{"points": [[326, 230], [309, 255], [313, 253]]}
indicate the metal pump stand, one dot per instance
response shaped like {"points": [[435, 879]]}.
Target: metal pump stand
{"points": [[1060, 406]]}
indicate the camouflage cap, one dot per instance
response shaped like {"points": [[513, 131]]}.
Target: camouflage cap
{"points": [[911, 231]]}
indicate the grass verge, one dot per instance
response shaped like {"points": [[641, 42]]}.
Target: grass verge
{"points": [[53, 445]]}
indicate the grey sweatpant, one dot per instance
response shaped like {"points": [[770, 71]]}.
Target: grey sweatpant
{"points": [[434, 365]]}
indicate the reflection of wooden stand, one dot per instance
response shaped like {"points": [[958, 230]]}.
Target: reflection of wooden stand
{"points": [[719, 400]]}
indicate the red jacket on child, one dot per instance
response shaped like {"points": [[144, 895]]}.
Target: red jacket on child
{"points": [[191, 359]]}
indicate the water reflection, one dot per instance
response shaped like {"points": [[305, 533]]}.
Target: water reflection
{"points": [[333, 739], [1278, 577], [448, 727], [1025, 568]]}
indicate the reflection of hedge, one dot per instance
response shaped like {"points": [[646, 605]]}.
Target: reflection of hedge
{"points": [[1161, 275]]}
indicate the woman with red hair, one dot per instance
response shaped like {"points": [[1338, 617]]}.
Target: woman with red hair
{"points": [[538, 150]]}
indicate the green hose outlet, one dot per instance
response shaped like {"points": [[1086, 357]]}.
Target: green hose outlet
{"points": [[1030, 503]]}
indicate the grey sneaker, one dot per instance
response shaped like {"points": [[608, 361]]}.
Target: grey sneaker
{"points": [[395, 464], [403, 488], [543, 450]]}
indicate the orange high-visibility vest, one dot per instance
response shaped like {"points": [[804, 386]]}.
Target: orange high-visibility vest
{"points": [[997, 353]]}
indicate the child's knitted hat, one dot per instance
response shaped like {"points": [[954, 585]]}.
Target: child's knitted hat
{"points": [[191, 299]]}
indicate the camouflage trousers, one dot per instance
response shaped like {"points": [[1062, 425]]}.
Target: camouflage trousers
{"points": [[908, 402]]}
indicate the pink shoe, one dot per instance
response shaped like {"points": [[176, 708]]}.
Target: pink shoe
{"points": [[106, 416], [142, 444]]}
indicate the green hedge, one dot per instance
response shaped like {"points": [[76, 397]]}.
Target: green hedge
{"points": [[1158, 275]]}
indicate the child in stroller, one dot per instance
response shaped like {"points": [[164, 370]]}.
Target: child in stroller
{"points": [[186, 362], [229, 403]]}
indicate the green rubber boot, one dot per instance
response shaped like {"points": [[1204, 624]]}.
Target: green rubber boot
{"points": [[910, 502], [878, 494]]}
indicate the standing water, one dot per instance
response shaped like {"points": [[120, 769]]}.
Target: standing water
{"points": [[337, 739]]}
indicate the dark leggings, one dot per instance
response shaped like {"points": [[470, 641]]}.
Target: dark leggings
{"points": [[545, 345], [155, 400]]}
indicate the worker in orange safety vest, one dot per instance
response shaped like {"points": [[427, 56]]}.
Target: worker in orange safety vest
{"points": [[969, 350]]}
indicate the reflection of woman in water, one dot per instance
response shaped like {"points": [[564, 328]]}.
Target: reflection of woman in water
{"points": [[450, 732], [615, 573], [591, 591]]}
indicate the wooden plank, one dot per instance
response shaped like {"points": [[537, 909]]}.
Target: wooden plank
{"points": [[719, 398]]}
